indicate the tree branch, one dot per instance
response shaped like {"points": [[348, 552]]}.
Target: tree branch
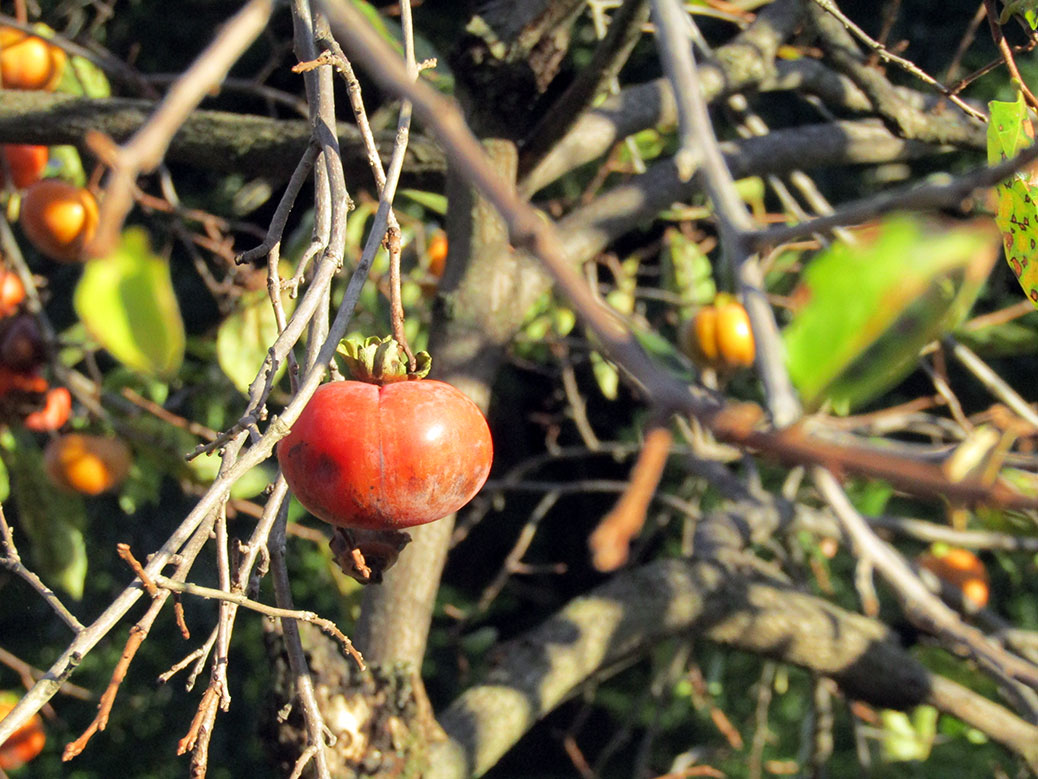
{"points": [[637, 609]]}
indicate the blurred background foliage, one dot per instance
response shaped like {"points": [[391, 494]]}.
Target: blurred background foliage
{"points": [[208, 329]]}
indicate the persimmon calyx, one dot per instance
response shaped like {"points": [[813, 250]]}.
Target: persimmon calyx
{"points": [[380, 361]]}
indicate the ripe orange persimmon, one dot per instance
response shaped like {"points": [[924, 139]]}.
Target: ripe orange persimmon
{"points": [[25, 163], [25, 743], [436, 251], [960, 568], [28, 61], [89, 464], [12, 292], [59, 219], [719, 336]]}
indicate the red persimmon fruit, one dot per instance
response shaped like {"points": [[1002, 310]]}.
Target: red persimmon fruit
{"points": [[386, 457]]}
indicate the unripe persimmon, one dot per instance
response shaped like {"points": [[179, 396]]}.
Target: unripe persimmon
{"points": [[28, 61], [960, 568], [25, 743], [25, 162], [89, 464], [59, 219]]}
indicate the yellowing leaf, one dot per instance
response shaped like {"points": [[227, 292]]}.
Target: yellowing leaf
{"points": [[870, 308], [126, 301], [1009, 132], [245, 336]]}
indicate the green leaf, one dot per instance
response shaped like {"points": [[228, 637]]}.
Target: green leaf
{"points": [[870, 308], [244, 337], [126, 301], [908, 738], [687, 271], [52, 520], [606, 375], [205, 469], [1010, 131], [1026, 8], [433, 201], [83, 77]]}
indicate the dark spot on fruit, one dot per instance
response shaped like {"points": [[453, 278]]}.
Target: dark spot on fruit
{"points": [[325, 469]]}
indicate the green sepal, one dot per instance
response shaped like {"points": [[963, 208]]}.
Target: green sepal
{"points": [[381, 360]]}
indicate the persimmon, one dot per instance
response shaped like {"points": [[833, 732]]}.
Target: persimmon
{"points": [[386, 452], [28, 61], [90, 464], [960, 568], [25, 743], [719, 335], [57, 408], [59, 219], [25, 163], [12, 292], [436, 252], [21, 343]]}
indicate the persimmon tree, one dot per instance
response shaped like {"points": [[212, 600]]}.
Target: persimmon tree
{"points": [[700, 552]]}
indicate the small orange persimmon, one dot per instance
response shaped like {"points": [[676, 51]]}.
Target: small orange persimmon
{"points": [[12, 291], [960, 568], [436, 251], [719, 336], [59, 219], [25, 743], [28, 61], [89, 464]]}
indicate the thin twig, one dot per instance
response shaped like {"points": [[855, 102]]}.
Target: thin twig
{"points": [[12, 561], [888, 56], [145, 150]]}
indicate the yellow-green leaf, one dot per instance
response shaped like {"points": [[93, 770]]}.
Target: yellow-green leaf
{"points": [[245, 336], [126, 301]]}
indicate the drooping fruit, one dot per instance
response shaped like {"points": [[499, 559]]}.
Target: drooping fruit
{"points": [[59, 219], [386, 457], [89, 464]]}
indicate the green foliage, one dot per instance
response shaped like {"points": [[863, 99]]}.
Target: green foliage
{"points": [[869, 309], [126, 301], [1009, 132], [245, 336], [54, 521], [1028, 9]]}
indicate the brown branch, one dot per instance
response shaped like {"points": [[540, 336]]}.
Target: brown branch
{"points": [[635, 610], [125, 553], [214, 140], [610, 541], [1007, 53], [104, 708], [238, 599]]}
